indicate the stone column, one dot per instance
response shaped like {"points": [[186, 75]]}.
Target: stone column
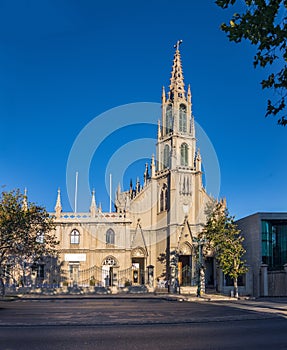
{"points": [[249, 281], [264, 281]]}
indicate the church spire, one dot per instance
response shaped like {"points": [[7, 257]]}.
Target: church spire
{"points": [[58, 206], [176, 143], [93, 207], [176, 87]]}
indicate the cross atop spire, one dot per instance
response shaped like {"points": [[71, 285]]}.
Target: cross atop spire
{"points": [[176, 87], [176, 46]]}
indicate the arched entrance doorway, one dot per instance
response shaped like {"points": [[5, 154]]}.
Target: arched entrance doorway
{"points": [[138, 266], [109, 271], [185, 273]]}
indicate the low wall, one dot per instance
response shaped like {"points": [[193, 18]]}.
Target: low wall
{"points": [[277, 283]]}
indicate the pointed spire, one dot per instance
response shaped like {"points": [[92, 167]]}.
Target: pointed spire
{"points": [[198, 161], [93, 207], [138, 186], [163, 96], [224, 203], [25, 200], [58, 206], [131, 190], [176, 86], [119, 189], [146, 174], [152, 166], [188, 94], [158, 130]]}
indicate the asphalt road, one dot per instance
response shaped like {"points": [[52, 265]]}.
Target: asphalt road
{"points": [[108, 323]]}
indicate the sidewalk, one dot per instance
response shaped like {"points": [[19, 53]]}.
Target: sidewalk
{"points": [[209, 297]]}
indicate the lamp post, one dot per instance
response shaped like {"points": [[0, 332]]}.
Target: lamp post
{"points": [[174, 271], [150, 269], [200, 266], [200, 242]]}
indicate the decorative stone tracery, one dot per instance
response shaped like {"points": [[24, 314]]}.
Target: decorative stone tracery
{"points": [[110, 261], [138, 253]]}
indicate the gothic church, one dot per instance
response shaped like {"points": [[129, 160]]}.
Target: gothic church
{"points": [[151, 238]]}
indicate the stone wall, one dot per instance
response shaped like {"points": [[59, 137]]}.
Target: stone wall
{"points": [[277, 283]]}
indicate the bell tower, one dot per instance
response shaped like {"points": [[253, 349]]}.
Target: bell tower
{"points": [[176, 146], [178, 175], [178, 168]]}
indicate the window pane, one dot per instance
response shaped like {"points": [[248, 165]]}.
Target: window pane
{"points": [[168, 120], [75, 237], [166, 157], [110, 236], [184, 154], [274, 243], [182, 118]]}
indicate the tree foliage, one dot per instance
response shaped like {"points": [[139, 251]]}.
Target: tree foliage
{"points": [[224, 238], [26, 231], [264, 24]]}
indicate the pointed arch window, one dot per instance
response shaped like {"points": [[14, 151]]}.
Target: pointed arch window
{"points": [[75, 237], [168, 120], [166, 157], [182, 118], [184, 154], [161, 204], [163, 200], [110, 236]]}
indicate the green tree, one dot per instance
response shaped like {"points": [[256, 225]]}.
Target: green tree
{"points": [[224, 238], [26, 233], [264, 24]]}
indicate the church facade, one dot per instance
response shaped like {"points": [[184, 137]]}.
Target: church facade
{"points": [[151, 238]]}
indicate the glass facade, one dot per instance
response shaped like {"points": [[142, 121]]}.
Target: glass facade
{"points": [[274, 243]]}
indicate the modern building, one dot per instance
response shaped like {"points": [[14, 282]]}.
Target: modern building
{"points": [[266, 252]]}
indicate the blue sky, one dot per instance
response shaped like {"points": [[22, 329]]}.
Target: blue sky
{"points": [[63, 63]]}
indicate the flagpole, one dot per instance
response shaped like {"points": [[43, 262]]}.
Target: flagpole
{"points": [[110, 193], [76, 192]]}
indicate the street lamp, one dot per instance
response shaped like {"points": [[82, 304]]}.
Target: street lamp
{"points": [[150, 269], [201, 276], [174, 271], [200, 243]]}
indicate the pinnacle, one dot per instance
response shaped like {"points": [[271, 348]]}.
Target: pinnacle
{"points": [[177, 81]]}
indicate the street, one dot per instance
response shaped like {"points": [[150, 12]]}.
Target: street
{"points": [[141, 323]]}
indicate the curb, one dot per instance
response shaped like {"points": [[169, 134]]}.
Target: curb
{"points": [[167, 297]]}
